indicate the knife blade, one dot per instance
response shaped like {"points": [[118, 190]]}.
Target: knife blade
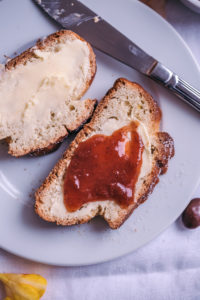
{"points": [[73, 15]]}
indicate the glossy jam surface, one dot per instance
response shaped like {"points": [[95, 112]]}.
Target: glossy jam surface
{"points": [[104, 168]]}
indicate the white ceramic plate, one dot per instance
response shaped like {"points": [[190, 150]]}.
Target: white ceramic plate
{"points": [[23, 232], [192, 4]]}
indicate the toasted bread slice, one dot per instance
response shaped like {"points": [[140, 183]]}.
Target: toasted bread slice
{"points": [[40, 93], [125, 102]]}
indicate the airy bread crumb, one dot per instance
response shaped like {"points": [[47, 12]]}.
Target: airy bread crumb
{"points": [[40, 93], [125, 102]]}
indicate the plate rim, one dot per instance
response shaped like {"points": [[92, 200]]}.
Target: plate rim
{"points": [[152, 237], [192, 4]]}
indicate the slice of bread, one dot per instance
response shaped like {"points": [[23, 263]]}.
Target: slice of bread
{"points": [[40, 93], [125, 102]]}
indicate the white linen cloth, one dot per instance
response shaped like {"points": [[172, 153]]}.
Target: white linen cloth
{"points": [[167, 268]]}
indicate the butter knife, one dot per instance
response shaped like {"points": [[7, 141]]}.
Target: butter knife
{"points": [[73, 15]]}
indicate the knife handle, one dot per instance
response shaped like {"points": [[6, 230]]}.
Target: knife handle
{"points": [[178, 86]]}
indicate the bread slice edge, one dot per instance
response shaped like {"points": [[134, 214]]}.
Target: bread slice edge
{"points": [[162, 150], [26, 56]]}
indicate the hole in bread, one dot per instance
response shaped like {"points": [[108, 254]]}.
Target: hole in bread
{"points": [[127, 103], [52, 116], [113, 117], [153, 148], [72, 107], [35, 56], [57, 49], [129, 111]]}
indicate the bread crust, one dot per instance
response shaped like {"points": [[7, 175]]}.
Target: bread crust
{"points": [[28, 55], [54, 146], [47, 150], [162, 150]]}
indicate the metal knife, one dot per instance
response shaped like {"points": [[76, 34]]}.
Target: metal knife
{"points": [[73, 15]]}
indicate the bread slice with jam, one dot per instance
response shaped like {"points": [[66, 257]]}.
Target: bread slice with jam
{"points": [[40, 93], [125, 103]]}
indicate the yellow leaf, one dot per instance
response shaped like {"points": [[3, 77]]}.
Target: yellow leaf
{"points": [[23, 286]]}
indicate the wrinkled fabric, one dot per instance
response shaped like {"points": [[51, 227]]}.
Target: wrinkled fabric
{"points": [[168, 268]]}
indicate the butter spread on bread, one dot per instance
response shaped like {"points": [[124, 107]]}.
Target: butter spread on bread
{"points": [[40, 93]]}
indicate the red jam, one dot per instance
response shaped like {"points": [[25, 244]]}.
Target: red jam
{"points": [[104, 167]]}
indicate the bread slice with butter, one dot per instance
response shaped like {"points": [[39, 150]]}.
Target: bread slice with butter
{"points": [[40, 93], [125, 102]]}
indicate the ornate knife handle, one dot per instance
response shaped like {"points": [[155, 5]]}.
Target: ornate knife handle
{"points": [[178, 86]]}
